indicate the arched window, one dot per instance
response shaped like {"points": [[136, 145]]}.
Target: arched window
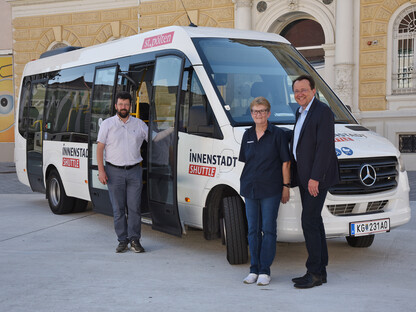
{"points": [[58, 45], [308, 37], [404, 32]]}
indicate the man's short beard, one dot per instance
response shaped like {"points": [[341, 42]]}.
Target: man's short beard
{"points": [[123, 113]]}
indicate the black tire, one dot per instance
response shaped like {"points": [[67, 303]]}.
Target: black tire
{"points": [[59, 202], [222, 231], [235, 230], [80, 205], [361, 241], [213, 227]]}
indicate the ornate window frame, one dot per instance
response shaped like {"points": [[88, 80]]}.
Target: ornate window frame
{"points": [[403, 98], [404, 42]]}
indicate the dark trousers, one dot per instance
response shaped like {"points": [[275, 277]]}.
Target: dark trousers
{"points": [[124, 189], [314, 231]]}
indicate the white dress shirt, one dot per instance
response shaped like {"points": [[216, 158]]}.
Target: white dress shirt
{"points": [[122, 140]]}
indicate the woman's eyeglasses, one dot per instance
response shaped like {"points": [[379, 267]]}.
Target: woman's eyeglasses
{"points": [[261, 111]]}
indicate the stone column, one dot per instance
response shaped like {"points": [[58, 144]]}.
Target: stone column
{"points": [[344, 51], [329, 74], [242, 18]]}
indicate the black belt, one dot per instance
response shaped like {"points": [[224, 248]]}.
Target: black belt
{"points": [[122, 167]]}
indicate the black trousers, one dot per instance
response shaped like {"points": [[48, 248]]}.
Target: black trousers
{"points": [[314, 231]]}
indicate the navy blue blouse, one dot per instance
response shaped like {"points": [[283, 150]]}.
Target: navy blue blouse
{"points": [[262, 175]]}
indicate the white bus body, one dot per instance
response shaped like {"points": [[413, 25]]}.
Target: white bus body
{"points": [[199, 81]]}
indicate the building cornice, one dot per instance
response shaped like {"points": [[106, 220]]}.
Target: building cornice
{"points": [[27, 8]]}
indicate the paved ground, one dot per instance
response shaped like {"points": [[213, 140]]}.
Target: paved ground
{"points": [[412, 182], [9, 184], [67, 263]]}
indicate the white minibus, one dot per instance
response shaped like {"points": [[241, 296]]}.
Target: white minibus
{"points": [[200, 82]]}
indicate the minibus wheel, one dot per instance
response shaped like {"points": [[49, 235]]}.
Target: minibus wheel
{"points": [[361, 241], [59, 202], [235, 230], [80, 205]]}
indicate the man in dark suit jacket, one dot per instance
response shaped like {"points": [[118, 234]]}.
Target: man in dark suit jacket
{"points": [[315, 167]]}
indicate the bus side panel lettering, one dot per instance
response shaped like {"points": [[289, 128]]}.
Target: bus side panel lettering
{"points": [[202, 170], [70, 162]]}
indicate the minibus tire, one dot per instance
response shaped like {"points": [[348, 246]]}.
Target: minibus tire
{"points": [[361, 241], [80, 205], [59, 202], [235, 230]]}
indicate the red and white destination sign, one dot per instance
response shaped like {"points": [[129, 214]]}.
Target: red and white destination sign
{"points": [[70, 162], [343, 139], [202, 170], [158, 40]]}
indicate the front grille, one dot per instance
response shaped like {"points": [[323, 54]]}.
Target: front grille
{"points": [[386, 173], [339, 210], [376, 206], [347, 209]]}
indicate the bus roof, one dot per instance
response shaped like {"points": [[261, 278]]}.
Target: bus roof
{"points": [[172, 37]]}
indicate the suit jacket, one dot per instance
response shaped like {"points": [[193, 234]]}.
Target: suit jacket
{"points": [[315, 152]]}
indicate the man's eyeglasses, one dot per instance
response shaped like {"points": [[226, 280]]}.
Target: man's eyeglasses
{"points": [[301, 91], [261, 111]]}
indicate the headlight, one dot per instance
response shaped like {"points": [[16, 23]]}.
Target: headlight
{"points": [[401, 164]]}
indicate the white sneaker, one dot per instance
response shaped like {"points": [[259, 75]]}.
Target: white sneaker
{"points": [[263, 280], [250, 279]]}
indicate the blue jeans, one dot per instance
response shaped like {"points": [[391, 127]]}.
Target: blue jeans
{"points": [[125, 190], [262, 223]]}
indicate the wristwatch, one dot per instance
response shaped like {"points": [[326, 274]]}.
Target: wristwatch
{"points": [[287, 185]]}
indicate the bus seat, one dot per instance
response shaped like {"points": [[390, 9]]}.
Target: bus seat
{"points": [[197, 118], [259, 89], [198, 121]]}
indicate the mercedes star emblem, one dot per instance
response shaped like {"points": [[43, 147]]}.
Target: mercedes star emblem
{"points": [[367, 175]]}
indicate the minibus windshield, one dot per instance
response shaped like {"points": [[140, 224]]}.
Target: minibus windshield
{"points": [[244, 69]]}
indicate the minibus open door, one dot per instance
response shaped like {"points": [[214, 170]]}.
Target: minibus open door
{"points": [[34, 135], [162, 145], [105, 82]]}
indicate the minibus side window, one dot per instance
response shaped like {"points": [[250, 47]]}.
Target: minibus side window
{"points": [[195, 114], [35, 118], [102, 100], [23, 109], [67, 103]]}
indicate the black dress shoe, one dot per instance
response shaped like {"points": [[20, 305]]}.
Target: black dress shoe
{"points": [[309, 280], [323, 277], [300, 279]]}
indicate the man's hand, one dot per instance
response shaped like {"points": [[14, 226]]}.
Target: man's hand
{"points": [[313, 187], [102, 177]]}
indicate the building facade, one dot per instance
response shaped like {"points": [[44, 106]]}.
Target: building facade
{"points": [[363, 48], [6, 84]]}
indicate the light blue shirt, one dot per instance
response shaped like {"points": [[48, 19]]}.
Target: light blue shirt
{"points": [[299, 124]]}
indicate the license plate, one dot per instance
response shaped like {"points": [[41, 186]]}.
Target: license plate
{"points": [[369, 227]]}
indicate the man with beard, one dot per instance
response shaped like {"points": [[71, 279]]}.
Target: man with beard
{"points": [[121, 136]]}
